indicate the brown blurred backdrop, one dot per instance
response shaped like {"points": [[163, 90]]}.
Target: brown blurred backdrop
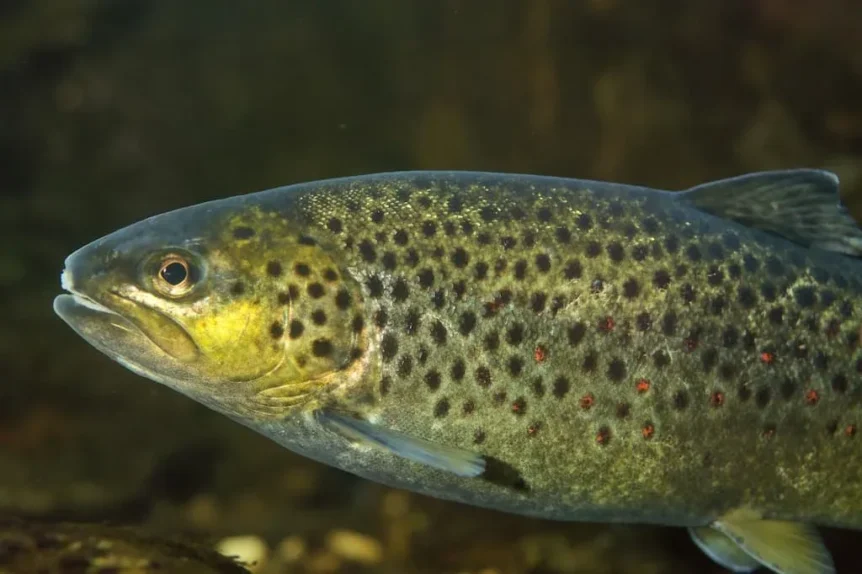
{"points": [[113, 111]]}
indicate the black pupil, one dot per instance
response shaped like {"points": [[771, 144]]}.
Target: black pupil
{"points": [[174, 273]]}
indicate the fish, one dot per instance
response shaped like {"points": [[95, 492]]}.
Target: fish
{"points": [[560, 348]]}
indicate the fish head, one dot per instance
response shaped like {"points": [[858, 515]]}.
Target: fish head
{"points": [[229, 304]]}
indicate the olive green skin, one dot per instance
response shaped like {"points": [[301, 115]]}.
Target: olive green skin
{"points": [[653, 363]]}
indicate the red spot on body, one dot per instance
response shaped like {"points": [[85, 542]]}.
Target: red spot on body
{"points": [[769, 432], [767, 358], [716, 399], [533, 429], [850, 430], [811, 397], [603, 436], [642, 385], [607, 324], [540, 354], [587, 401], [648, 431], [690, 344]]}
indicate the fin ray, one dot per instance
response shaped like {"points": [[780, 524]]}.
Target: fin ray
{"points": [[801, 205], [784, 547], [451, 459], [722, 550]]}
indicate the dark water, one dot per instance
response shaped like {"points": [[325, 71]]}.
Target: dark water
{"points": [[112, 111]]}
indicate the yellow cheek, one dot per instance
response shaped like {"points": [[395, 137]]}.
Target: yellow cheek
{"points": [[237, 329]]}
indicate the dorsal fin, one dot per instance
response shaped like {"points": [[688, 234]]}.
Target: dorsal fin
{"points": [[801, 205]]}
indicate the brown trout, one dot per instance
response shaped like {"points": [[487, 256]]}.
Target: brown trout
{"points": [[561, 348]]}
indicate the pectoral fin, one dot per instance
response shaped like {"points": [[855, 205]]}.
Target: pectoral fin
{"points": [[723, 550], [451, 459], [783, 547]]}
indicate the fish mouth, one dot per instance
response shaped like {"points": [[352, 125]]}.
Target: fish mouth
{"points": [[114, 334]]}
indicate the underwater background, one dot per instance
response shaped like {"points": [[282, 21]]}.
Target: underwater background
{"points": [[114, 111]]}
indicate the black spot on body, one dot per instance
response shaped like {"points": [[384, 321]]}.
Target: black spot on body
{"points": [[560, 387], [441, 409], [306, 240], [593, 249], [616, 370], [438, 333], [709, 358], [805, 296], [839, 384], [640, 252], [480, 270], [573, 269], [488, 214], [388, 347], [515, 335], [631, 288], [616, 252], [367, 251], [787, 389], [276, 330], [643, 321], [238, 288], [515, 365], [458, 370], [590, 362], [400, 291], [483, 377], [520, 269], [429, 228], [411, 322], [432, 379], [375, 286], [466, 323], [334, 225], [492, 341], [455, 205], [321, 348], [389, 261], [400, 237], [661, 279], [426, 278], [342, 299], [821, 360], [671, 244], [688, 293], [405, 366], [762, 397], [746, 296], [734, 270], [776, 315], [544, 214], [717, 304], [295, 329], [460, 258], [563, 234], [693, 253], [668, 323], [661, 359], [508, 242], [273, 269], [243, 232], [381, 318], [318, 317], [543, 262], [715, 251], [714, 275], [315, 290], [377, 216], [680, 400]]}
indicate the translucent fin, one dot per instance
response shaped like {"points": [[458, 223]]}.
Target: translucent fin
{"points": [[801, 205], [455, 460], [783, 547], [723, 550]]}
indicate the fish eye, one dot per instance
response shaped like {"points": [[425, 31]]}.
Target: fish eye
{"points": [[174, 276]]}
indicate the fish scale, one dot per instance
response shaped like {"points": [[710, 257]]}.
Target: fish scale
{"points": [[560, 348], [713, 352]]}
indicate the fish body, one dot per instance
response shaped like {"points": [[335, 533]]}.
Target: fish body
{"points": [[561, 348]]}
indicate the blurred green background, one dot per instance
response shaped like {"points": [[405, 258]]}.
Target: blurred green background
{"points": [[113, 111]]}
